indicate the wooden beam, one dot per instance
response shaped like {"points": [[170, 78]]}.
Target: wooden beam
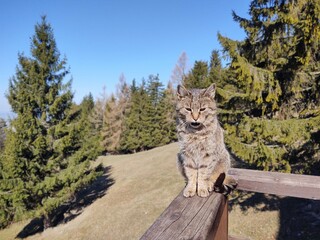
{"points": [[220, 227], [192, 218], [283, 184]]}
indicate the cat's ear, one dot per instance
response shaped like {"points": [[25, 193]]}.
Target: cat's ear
{"points": [[210, 91], [182, 91]]}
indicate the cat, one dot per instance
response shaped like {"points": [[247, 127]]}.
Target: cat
{"points": [[203, 158]]}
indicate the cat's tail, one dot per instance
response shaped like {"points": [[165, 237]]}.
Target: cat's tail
{"points": [[225, 184]]}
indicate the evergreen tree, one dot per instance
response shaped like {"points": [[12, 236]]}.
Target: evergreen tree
{"points": [[149, 121], [96, 117], [167, 106], [198, 77], [3, 126], [134, 133], [89, 136], [153, 116], [4, 211], [216, 71], [271, 99], [43, 164], [202, 74]]}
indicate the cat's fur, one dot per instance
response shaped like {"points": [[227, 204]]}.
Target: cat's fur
{"points": [[203, 157]]}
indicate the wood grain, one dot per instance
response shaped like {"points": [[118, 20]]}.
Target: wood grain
{"points": [[191, 218]]}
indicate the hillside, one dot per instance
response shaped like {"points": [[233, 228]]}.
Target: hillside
{"points": [[134, 191]]}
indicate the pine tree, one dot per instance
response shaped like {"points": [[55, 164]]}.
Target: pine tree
{"points": [[43, 162], [150, 120], [3, 126], [154, 116], [134, 133], [5, 216], [96, 117], [90, 137], [216, 71], [271, 99], [167, 107], [198, 77]]}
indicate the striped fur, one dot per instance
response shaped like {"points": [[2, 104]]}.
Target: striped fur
{"points": [[203, 159]]}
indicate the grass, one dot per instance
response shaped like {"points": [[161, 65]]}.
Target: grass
{"points": [[144, 185]]}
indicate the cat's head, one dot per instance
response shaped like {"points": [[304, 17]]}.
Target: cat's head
{"points": [[196, 107]]}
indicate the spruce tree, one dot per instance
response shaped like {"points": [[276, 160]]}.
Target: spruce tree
{"points": [[96, 117], [152, 116], [43, 164], [216, 71], [3, 126], [133, 137], [271, 107], [167, 108], [90, 137], [150, 120], [198, 77]]}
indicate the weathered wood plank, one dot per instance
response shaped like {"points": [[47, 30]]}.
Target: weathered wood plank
{"points": [[189, 218], [283, 184], [220, 228]]}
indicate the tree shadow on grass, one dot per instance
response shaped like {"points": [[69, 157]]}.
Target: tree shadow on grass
{"points": [[256, 201], [299, 219], [75, 207]]}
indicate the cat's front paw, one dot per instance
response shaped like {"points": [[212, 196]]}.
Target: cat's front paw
{"points": [[189, 191], [203, 192]]}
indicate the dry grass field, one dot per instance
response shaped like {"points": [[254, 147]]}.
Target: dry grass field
{"points": [[133, 193]]}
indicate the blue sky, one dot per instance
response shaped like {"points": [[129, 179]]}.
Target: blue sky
{"points": [[104, 38]]}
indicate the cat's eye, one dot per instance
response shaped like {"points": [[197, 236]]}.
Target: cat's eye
{"points": [[202, 109], [188, 109]]}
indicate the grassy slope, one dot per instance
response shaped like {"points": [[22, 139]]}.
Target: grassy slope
{"points": [[145, 183]]}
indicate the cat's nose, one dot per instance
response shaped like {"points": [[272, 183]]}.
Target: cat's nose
{"points": [[195, 115]]}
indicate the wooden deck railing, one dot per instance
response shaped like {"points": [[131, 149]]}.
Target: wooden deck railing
{"points": [[207, 218]]}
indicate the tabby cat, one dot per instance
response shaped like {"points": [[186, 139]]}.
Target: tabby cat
{"points": [[203, 159]]}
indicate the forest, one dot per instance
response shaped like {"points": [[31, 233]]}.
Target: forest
{"points": [[267, 94]]}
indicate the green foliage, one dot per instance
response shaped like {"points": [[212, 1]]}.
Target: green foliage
{"points": [[149, 122], [49, 143], [198, 76], [202, 74], [270, 95], [3, 126]]}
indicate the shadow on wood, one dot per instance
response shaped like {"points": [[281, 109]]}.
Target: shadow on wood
{"points": [[192, 218]]}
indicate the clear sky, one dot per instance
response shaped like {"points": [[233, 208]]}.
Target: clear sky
{"points": [[104, 38]]}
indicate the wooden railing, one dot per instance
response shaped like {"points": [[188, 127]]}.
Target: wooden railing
{"points": [[207, 218]]}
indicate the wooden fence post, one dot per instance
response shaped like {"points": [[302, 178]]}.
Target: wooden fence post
{"points": [[192, 218], [220, 227]]}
